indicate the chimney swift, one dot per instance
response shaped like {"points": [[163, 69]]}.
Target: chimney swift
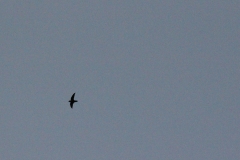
{"points": [[72, 100]]}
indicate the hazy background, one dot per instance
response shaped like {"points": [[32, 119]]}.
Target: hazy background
{"points": [[154, 80]]}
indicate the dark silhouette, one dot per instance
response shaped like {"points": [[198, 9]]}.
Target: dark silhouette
{"points": [[72, 100]]}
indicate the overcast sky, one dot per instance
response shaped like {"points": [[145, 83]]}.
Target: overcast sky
{"points": [[154, 80]]}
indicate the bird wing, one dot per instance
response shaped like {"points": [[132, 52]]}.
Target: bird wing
{"points": [[72, 98], [71, 104]]}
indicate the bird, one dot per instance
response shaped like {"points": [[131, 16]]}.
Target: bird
{"points": [[72, 100]]}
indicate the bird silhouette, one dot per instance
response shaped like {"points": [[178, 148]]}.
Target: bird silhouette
{"points": [[72, 100]]}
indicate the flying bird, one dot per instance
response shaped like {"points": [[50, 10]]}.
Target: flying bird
{"points": [[72, 100]]}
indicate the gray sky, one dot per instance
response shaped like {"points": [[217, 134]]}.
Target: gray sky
{"points": [[153, 79]]}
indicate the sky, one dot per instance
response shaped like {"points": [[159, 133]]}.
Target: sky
{"points": [[154, 80]]}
